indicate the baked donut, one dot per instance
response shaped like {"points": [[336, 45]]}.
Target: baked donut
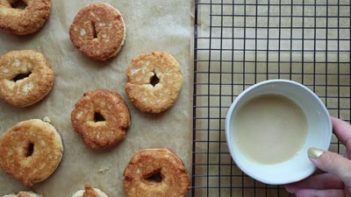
{"points": [[24, 21], [30, 151], [25, 77], [98, 31], [102, 118], [156, 172], [89, 192], [23, 194], [154, 81]]}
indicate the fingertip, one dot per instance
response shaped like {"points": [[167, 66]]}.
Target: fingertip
{"points": [[314, 155], [334, 119], [290, 188], [306, 193], [300, 193]]}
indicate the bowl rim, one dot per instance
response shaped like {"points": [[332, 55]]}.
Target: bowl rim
{"points": [[230, 112]]}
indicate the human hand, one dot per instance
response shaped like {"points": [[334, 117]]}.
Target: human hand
{"points": [[335, 181]]}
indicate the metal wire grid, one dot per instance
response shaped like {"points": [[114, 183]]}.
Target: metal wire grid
{"points": [[241, 42]]}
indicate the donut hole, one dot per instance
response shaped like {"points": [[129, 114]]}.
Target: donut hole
{"points": [[155, 176], [93, 28], [18, 4], [29, 150], [98, 117], [154, 80], [21, 76]]}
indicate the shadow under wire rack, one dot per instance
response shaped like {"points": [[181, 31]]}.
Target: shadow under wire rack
{"points": [[241, 42]]}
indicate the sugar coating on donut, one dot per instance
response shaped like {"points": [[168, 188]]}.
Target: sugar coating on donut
{"points": [[30, 151], [156, 172], [98, 31], [102, 118], [25, 77], [23, 194], [24, 21], [89, 192], [154, 81]]}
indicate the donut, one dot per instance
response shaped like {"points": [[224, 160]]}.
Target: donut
{"points": [[23, 19], [30, 151], [154, 81], [98, 31], [102, 118], [156, 172], [23, 194], [25, 77], [89, 192]]}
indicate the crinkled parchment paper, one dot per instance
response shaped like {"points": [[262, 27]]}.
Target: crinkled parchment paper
{"points": [[151, 25]]}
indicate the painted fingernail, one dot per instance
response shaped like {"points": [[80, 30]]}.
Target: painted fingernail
{"points": [[314, 153]]}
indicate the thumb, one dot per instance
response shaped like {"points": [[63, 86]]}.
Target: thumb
{"points": [[332, 163]]}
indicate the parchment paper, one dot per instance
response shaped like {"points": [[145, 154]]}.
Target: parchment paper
{"points": [[151, 25]]}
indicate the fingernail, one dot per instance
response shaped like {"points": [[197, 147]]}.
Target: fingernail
{"points": [[314, 153]]}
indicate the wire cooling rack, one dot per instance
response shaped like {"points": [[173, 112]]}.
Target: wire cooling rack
{"points": [[241, 42]]}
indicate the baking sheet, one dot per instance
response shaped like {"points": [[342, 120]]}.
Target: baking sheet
{"points": [[151, 25]]}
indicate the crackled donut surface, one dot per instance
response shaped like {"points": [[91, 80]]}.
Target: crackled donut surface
{"points": [[23, 17], [154, 81], [25, 77], [156, 172], [102, 118], [30, 151], [98, 31]]}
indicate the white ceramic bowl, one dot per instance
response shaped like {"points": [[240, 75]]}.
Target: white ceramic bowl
{"points": [[319, 132]]}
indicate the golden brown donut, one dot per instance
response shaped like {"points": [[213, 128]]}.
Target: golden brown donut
{"points": [[154, 81], [102, 118], [98, 31], [30, 151], [156, 172], [89, 192], [23, 194], [24, 21], [25, 77]]}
